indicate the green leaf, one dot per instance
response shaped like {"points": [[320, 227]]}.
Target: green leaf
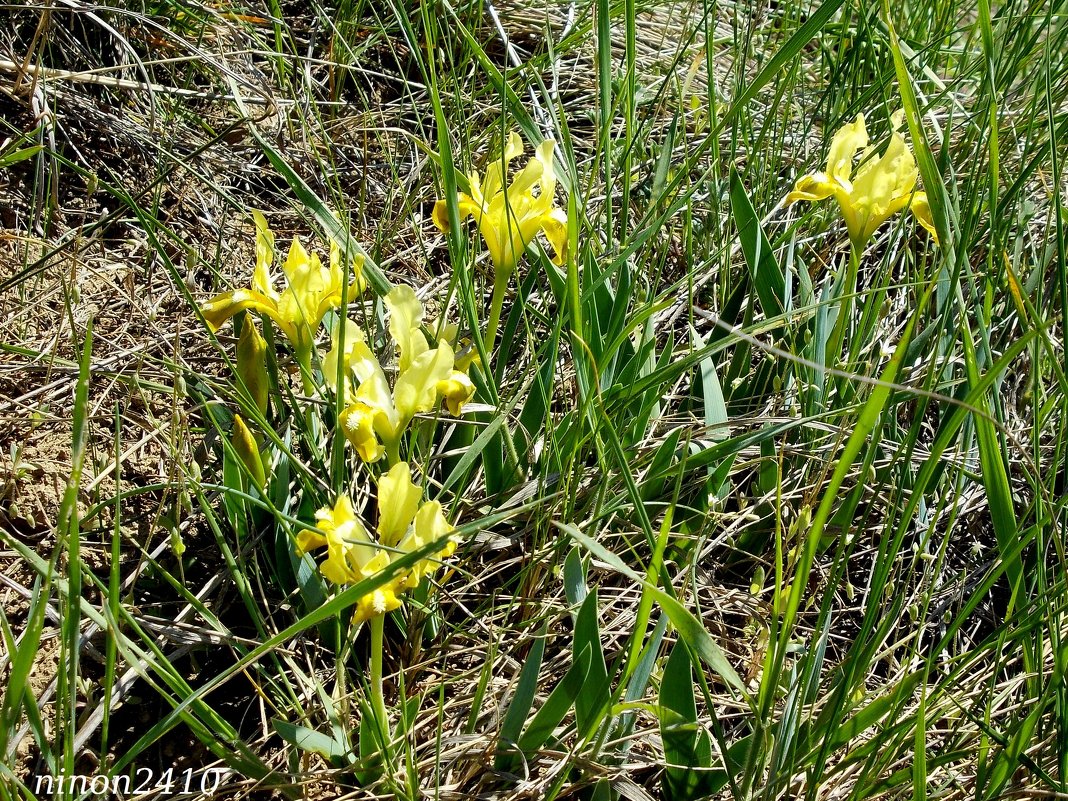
{"points": [[592, 703], [767, 275], [1008, 759], [15, 156], [523, 699], [996, 481], [574, 578], [312, 741], [21, 665], [560, 700], [684, 747], [686, 624]]}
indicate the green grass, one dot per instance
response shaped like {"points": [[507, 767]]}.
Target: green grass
{"points": [[704, 553]]}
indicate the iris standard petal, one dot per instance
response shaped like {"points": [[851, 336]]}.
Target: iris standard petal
{"points": [[846, 143], [344, 354], [405, 321], [261, 276], [398, 501], [416, 389]]}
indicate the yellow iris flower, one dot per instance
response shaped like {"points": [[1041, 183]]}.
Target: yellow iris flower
{"points": [[404, 525], [407, 525], [375, 416], [880, 188], [510, 217], [311, 289]]}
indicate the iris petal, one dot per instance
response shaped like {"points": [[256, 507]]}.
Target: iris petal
{"points": [[398, 501]]}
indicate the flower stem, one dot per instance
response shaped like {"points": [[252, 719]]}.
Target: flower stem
{"points": [[378, 698], [392, 450], [846, 290], [500, 287], [303, 357]]}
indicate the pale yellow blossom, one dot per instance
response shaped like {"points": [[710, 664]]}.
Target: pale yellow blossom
{"points": [[881, 187]]}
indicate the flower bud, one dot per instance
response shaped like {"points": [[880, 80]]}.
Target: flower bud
{"points": [[252, 364], [248, 451]]}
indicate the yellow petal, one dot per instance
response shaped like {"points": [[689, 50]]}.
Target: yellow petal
{"points": [[224, 306], [307, 287], [297, 262], [339, 276], [812, 187], [364, 365], [883, 187], [335, 522], [379, 602], [446, 331], [334, 569], [331, 518], [440, 215], [465, 356], [527, 178], [368, 567], [457, 390], [544, 154], [514, 147], [430, 525], [358, 424], [308, 540], [498, 167], [349, 546], [890, 178], [922, 211], [847, 142], [261, 277], [405, 320], [416, 389], [555, 226], [398, 500], [497, 231], [374, 393], [344, 354], [856, 220]]}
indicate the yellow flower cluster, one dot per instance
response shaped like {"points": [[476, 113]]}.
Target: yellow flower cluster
{"points": [[404, 525], [880, 188], [375, 417]]}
